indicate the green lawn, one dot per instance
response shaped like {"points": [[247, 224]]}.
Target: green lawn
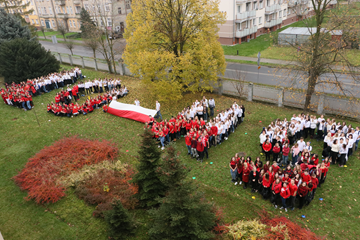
{"points": [[337, 217]]}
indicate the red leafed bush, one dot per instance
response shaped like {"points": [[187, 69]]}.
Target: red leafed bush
{"points": [[104, 186], [291, 231], [39, 177]]}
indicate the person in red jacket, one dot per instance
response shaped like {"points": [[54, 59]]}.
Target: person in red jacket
{"points": [[266, 185], [302, 192], [285, 154], [275, 167], [293, 191], [284, 194], [245, 175], [305, 176], [213, 131], [200, 150], [275, 190], [188, 142], [315, 183], [267, 148], [276, 152]]}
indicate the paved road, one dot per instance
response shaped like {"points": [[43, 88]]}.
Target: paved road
{"points": [[265, 75]]}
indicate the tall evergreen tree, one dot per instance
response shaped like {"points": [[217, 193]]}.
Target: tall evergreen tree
{"points": [[121, 226], [11, 28], [150, 186], [21, 59], [183, 214], [86, 22]]}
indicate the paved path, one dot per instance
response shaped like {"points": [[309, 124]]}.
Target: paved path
{"points": [[262, 60]]}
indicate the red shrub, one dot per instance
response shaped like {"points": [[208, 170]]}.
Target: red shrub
{"points": [[39, 177], [106, 185], [295, 231]]}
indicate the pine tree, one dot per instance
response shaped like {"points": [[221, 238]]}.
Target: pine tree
{"points": [[172, 171], [150, 186], [121, 226], [183, 214], [11, 28], [21, 59], [86, 22]]}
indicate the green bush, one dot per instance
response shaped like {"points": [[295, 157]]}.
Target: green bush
{"points": [[73, 36]]}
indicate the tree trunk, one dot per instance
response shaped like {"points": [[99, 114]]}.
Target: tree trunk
{"points": [[94, 50], [44, 34], [71, 52], [310, 90]]}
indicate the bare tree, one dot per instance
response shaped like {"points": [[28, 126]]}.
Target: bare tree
{"points": [[70, 45], [239, 83], [91, 35], [325, 51], [42, 29], [62, 31]]}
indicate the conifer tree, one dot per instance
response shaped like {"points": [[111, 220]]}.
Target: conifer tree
{"points": [[21, 59], [150, 186], [121, 226], [183, 213], [11, 28], [86, 22]]}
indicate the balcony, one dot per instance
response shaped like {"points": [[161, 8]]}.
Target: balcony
{"points": [[63, 15], [272, 9], [241, 16], [251, 14], [238, 2], [292, 3], [333, 2], [77, 2], [246, 32], [60, 2], [273, 22]]}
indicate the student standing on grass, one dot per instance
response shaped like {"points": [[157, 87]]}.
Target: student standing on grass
{"points": [[200, 150], [211, 106], [275, 190], [233, 169], [245, 175], [293, 191], [158, 113], [284, 194], [267, 148], [302, 192]]}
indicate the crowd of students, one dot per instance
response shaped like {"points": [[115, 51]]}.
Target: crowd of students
{"points": [[200, 129], [64, 106], [20, 95], [340, 140], [290, 186]]}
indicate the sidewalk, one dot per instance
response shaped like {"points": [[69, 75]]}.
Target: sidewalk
{"points": [[262, 60]]}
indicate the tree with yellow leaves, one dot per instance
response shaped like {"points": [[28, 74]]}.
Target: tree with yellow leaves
{"points": [[172, 45]]}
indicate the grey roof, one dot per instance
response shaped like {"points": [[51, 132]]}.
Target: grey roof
{"points": [[307, 31]]}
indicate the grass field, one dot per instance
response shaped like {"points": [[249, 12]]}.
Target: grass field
{"points": [[336, 217]]}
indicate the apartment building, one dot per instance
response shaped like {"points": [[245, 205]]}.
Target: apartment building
{"points": [[247, 19]]}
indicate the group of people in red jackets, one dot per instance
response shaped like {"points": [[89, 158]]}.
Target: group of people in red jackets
{"points": [[288, 186], [19, 95], [64, 106]]}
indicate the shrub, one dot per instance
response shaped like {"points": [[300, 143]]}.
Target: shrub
{"points": [[247, 230], [121, 226], [73, 36], [42, 172], [102, 187]]}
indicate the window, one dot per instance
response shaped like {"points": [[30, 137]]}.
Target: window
{"points": [[267, 18], [67, 10], [42, 23], [119, 10], [63, 9], [239, 9], [44, 10], [288, 11], [50, 10], [284, 13], [79, 24], [74, 23], [261, 5], [37, 21], [247, 24], [39, 10], [268, 3], [238, 26], [53, 23], [77, 9], [127, 3], [86, 7], [32, 21], [70, 23], [280, 12], [260, 20], [109, 23], [107, 8], [254, 5], [71, 11], [248, 7], [254, 22]]}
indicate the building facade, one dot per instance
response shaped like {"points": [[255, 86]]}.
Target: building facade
{"points": [[247, 19]]}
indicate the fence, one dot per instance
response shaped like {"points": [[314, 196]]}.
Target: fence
{"points": [[322, 104]]}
